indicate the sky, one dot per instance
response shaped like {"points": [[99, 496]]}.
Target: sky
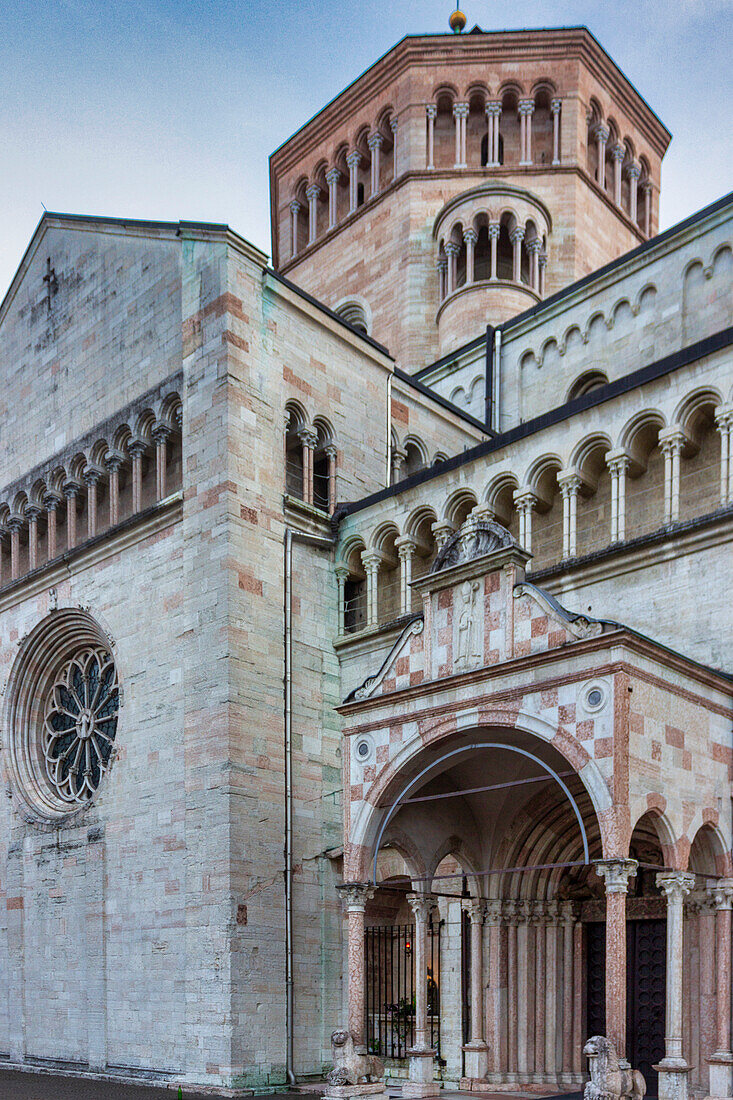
{"points": [[168, 109]]}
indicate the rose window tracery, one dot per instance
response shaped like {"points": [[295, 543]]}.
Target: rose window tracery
{"points": [[80, 724]]}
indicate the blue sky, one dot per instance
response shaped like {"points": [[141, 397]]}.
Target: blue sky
{"points": [[169, 108]]}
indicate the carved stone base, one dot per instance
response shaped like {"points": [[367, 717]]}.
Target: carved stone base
{"points": [[721, 1076], [375, 1090], [422, 1075], [673, 1079], [477, 1060]]}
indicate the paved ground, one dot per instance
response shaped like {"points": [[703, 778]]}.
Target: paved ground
{"points": [[41, 1086]]}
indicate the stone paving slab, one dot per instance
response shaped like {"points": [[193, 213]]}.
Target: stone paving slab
{"points": [[21, 1085]]}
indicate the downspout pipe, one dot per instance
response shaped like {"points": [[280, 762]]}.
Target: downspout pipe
{"points": [[322, 544], [489, 381], [496, 411], [388, 473]]}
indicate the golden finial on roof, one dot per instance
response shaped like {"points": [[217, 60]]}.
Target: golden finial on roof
{"points": [[457, 21]]}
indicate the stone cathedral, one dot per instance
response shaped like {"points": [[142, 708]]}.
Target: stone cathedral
{"points": [[366, 634]]}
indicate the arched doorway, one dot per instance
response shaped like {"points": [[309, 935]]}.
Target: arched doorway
{"points": [[502, 827]]}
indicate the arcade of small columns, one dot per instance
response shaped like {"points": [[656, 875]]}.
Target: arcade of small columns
{"points": [[493, 109], [70, 491], [623, 164], [528, 940], [308, 443], [447, 263], [314, 191], [672, 442]]}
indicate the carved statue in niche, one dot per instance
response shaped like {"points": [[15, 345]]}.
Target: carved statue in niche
{"points": [[468, 647]]}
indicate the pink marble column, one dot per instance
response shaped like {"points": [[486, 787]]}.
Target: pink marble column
{"points": [[15, 523], [354, 897], [497, 977], [673, 1069], [567, 920], [721, 1062], [476, 1051], [161, 435], [616, 873], [91, 477], [71, 492], [137, 448], [332, 454], [51, 501], [421, 1056], [114, 461], [539, 920], [551, 984], [512, 998], [32, 512]]}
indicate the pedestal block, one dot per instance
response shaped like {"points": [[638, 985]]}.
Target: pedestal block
{"points": [[422, 1075]]}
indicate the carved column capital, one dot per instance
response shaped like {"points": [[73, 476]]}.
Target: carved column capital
{"points": [[295, 207], [616, 873], [525, 106], [406, 546], [555, 106], [475, 908], [675, 884], [333, 175], [312, 191], [375, 141], [494, 231], [470, 236], [452, 248], [353, 160], [355, 895], [71, 488], [431, 111], [517, 234], [721, 893], [422, 905], [618, 151]]}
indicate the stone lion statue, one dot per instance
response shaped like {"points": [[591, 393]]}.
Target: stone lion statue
{"points": [[608, 1079], [352, 1067]]}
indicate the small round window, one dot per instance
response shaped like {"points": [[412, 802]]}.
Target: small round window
{"points": [[593, 697]]}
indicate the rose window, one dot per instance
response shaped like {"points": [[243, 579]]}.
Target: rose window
{"points": [[80, 724]]}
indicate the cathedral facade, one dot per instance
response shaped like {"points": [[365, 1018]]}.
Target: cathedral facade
{"points": [[351, 677]]}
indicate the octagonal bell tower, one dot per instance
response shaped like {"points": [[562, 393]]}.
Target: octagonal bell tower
{"points": [[462, 179]]}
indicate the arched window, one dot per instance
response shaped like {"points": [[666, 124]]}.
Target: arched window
{"points": [[355, 315], [591, 380]]}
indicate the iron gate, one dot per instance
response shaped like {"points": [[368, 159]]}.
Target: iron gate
{"points": [[390, 989]]}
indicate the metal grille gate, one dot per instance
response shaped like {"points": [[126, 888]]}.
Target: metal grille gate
{"points": [[390, 989]]}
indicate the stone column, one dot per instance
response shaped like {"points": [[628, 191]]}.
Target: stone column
{"points": [[421, 1056], [618, 464], [442, 531], [432, 112], [15, 525], [673, 1068], [721, 1062], [618, 152], [342, 575], [534, 247], [724, 424], [294, 211], [371, 560], [517, 236], [550, 986], [32, 512], [161, 435], [601, 133], [470, 236], [494, 149], [513, 1008], [406, 546], [51, 501], [451, 250], [308, 440], [616, 873], [353, 161], [91, 478], [476, 1050], [3, 555], [496, 1005], [442, 266], [489, 134], [375, 142], [646, 190], [555, 109], [332, 178], [671, 442], [312, 194], [569, 488], [567, 920], [332, 454], [494, 231], [526, 110], [354, 897], [394, 125], [633, 171], [72, 487], [137, 448], [114, 461], [399, 457], [539, 920], [543, 271], [460, 114], [525, 503], [525, 988]]}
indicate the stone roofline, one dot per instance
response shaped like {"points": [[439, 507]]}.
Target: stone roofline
{"points": [[615, 637], [561, 43]]}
